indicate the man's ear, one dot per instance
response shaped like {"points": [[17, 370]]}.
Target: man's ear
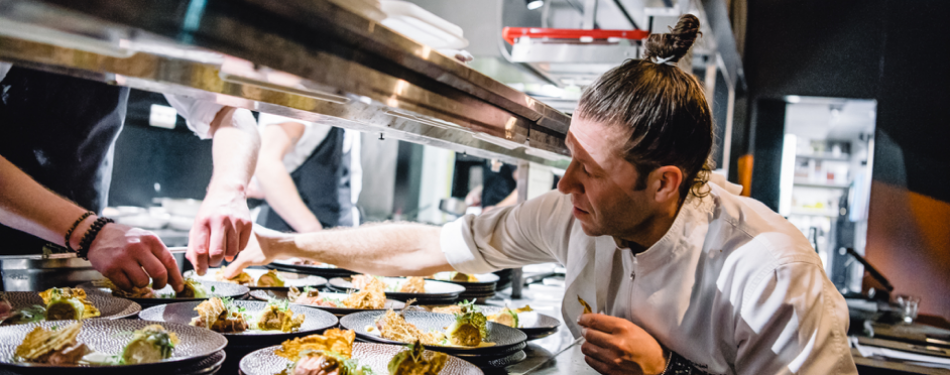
{"points": [[666, 181]]}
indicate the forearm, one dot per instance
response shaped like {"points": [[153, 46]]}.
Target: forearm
{"points": [[391, 249], [282, 196], [234, 151], [27, 206]]}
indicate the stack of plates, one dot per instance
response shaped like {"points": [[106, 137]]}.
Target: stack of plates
{"points": [[480, 290], [506, 348], [437, 292], [376, 356], [290, 279], [323, 270], [316, 321], [266, 295], [200, 351], [214, 288]]}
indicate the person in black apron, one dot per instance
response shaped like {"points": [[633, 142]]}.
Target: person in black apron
{"points": [[323, 181], [56, 149]]}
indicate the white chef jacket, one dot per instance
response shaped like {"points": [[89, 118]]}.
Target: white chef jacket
{"points": [[313, 135], [732, 286]]}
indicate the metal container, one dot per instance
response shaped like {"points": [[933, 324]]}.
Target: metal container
{"points": [[31, 273]]}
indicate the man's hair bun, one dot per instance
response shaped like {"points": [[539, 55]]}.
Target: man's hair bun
{"points": [[676, 43]]}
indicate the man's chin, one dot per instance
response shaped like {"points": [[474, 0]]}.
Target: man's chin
{"points": [[590, 230]]}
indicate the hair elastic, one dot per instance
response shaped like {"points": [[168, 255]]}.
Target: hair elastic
{"points": [[665, 60]]}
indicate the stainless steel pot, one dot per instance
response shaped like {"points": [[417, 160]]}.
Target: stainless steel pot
{"points": [[33, 273]]}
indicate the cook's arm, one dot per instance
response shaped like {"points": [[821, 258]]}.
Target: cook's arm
{"points": [[223, 224], [274, 179], [508, 237], [118, 252]]}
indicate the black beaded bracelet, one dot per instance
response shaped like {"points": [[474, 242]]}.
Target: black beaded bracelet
{"points": [[69, 233], [91, 236], [677, 365]]}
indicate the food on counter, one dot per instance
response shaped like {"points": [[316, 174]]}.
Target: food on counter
{"points": [[468, 330], [241, 279], [417, 361], [327, 354], [68, 304], [268, 280], [53, 346], [587, 309], [413, 285], [222, 315], [150, 344], [60, 346], [508, 316]]}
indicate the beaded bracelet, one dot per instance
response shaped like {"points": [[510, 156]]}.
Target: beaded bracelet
{"points": [[677, 365], [91, 236], [69, 233]]}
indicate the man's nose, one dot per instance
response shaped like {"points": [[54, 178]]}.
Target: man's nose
{"points": [[568, 182]]}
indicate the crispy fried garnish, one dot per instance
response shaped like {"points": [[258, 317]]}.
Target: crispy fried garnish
{"points": [[241, 279], [371, 296], [53, 294], [334, 340], [40, 342], [413, 285], [587, 309], [393, 326], [364, 280], [209, 311], [135, 292]]}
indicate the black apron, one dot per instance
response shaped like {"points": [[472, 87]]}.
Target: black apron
{"points": [[323, 181], [60, 130]]}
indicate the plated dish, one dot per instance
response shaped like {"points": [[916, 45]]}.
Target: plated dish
{"points": [[332, 302], [245, 322], [310, 268], [336, 353], [62, 304], [535, 325], [194, 291], [466, 333], [255, 278], [91, 343], [402, 288]]}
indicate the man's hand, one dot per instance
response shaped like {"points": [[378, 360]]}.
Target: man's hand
{"points": [[617, 346], [262, 249], [130, 256], [222, 228]]}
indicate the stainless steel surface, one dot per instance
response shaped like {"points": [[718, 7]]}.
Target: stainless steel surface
{"points": [[356, 73], [453, 206], [26, 274]]}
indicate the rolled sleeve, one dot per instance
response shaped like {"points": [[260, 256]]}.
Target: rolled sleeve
{"points": [[198, 114], [536, 231]]}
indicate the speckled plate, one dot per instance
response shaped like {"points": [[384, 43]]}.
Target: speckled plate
{"points": [[324, 270], [109, 307], [503, 337], [316, 321], [486, 282], [435, 290], [265, 295], [290, 279], [376, 356], [214, 288], [110, 337], [205, 366], [535, 325]]}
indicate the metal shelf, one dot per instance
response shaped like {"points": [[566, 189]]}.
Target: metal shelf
{"points": [[821, 186]]}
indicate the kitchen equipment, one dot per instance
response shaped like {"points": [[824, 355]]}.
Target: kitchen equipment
{"points": [[316, 321], [109, 307], [266, 295], [376, 356], [453, 206]]}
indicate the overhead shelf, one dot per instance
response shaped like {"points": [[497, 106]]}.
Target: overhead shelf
{"points": [[353, 72]]}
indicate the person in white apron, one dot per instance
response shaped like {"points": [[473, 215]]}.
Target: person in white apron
{"points": [[682, 275]]}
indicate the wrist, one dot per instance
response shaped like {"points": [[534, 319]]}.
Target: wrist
{"points": [[80, 231], [232, 189]]}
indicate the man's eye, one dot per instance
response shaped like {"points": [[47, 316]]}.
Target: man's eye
{"points": [[584, 168]]}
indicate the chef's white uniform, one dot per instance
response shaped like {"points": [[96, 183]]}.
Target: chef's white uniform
{"points": [[732, 286]]}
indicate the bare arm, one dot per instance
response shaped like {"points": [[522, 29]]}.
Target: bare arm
{"points": [[274, 179], [127, 256], [389, 249], [223, 225]]}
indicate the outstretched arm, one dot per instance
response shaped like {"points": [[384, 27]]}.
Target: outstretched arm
{"points": [[125, 255], [274, 179], [389, 249]]}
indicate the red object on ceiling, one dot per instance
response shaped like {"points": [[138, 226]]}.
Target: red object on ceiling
{"points": [[512, 33]]}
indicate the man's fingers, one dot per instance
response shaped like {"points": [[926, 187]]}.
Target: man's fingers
{"points": [[166, 261], [599, 353], [120, 280], [218, 242], [237, 266], [136, 275], [198, 247], [233, 240], [598, 338], [599, 366], [155, 269], [600, 322], [245, 229]]}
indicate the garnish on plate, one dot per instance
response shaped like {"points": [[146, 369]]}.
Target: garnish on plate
{"points": [[417, 361]]}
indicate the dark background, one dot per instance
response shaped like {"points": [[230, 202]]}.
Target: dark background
{"points": [[895, 52]]}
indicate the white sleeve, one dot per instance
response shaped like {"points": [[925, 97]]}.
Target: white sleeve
{"points": [[198, 114], [4, 69], [529, 233], [793, 320]]}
